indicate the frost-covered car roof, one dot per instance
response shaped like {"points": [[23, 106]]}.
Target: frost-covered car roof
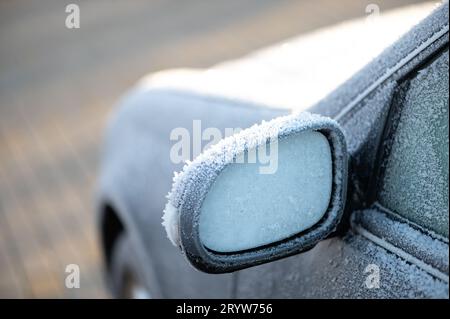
{"points": [[298, 72]]}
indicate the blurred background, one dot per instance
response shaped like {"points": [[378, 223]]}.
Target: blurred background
{"points": [[57, 87]]}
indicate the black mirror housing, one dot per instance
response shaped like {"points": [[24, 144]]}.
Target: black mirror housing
{"points": [[190, 187]]}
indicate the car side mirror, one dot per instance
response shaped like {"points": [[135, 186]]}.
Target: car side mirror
{"points": [[232, 208]]}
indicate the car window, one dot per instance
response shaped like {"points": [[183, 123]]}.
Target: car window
{"points": [[415, 179]]}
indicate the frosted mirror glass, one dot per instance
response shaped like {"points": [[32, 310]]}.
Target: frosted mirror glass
{"points": [[248, 207]]}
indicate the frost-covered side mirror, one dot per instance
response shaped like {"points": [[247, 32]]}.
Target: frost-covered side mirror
{"points": [[268, 192]]}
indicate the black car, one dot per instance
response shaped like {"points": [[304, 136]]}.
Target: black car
{"points": [[358, 200]]}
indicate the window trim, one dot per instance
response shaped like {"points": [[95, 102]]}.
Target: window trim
{"points": [[369, 232]]}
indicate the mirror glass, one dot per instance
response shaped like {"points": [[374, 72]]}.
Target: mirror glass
{"points": [[268, 194]]}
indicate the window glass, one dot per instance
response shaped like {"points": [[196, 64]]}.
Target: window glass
{"points": [[415, 180]]}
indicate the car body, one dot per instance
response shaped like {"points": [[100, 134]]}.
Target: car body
{"points": [[392, 241]]}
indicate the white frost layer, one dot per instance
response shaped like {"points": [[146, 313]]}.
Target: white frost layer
{"points": [[170, 223], [245, 209]]}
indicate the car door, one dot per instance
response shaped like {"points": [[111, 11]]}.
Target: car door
{"points": [[396, 245]]}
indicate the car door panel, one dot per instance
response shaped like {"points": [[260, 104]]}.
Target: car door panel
{"points": [[345, 267]]}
